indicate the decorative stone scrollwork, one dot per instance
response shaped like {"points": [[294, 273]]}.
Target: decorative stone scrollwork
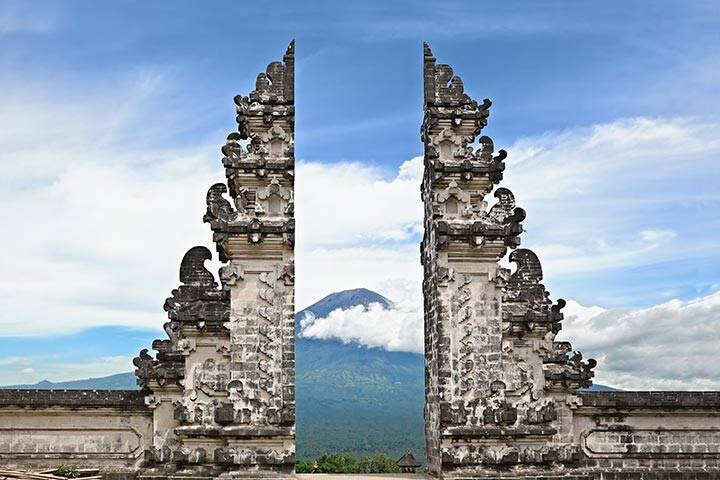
{"points": [[234, 154], [524, 285], [211, 377], [273, 200], [218, 208], [566, 370], [231, 274], [248, 456], [528, 303], [447, 145], [494, 375], [277, 143], [456, 202], [144, 367], [197, 303], [224, 377], [505, 208]]}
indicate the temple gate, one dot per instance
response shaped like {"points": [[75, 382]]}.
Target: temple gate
{"points": [[502, 397], [223, 385]]}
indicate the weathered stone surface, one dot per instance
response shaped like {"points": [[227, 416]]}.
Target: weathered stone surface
{"points": [[29, 399], [502, 397], [41, 429], [222, 384]]}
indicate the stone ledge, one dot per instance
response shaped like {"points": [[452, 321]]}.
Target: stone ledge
{"points": [[125, 399], [651, 399]]}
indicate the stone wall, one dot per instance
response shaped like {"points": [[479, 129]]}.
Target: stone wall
{"points": [[42, 429], [503, 398], [222, 385], [643, 433], [218, 394]]}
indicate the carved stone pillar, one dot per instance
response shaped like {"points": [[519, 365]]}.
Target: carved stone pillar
{"points": [[497, 384], [223, 384]]}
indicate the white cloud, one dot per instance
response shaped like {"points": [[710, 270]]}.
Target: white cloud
{"points": [[671, 346], [100, 213], [399, 328], [96, 217], [351, 203], [357, 227]]}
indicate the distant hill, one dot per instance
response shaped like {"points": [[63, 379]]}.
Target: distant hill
{"points": [[350, 399], [596, 387], [344, 299], [353, 399], [119, 381]]}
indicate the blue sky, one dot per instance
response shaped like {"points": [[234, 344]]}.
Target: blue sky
{"points": [[112, 117]]}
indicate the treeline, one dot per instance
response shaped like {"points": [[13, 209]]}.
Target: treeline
{"points": [[334, 463]]}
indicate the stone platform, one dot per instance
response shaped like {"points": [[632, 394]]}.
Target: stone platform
{"points": [[357, 476]]}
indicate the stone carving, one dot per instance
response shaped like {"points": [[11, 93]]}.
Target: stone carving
{"points": [[503, 397], [222, 384], [219, 209], [493, 368]]}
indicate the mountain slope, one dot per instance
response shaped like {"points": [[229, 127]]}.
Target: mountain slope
{"points": [[350, 399], [341, 300], [119, 381], [353, 399]]}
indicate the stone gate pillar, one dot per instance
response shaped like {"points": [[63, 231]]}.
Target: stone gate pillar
{"points": [[497, 385], [222, 385]]}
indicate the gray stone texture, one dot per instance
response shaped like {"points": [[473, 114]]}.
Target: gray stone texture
{"points": [[42, 429], [502, 396], [222, 386]]}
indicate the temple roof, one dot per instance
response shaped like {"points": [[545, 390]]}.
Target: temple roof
{"points": [[408, 460]]}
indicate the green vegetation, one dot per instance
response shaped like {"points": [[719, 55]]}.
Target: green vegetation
{"points": [[358, 401], [67, 471], [336, 463]]}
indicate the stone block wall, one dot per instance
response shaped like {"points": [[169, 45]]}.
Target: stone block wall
{"points": [[222, 385], [503, 398], [105, 429], [646, 433]]}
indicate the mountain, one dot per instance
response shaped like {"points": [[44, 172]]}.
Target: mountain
{"points": [[341, 300], [350, 399], [119, 381], [596, 387], [353, 399]]}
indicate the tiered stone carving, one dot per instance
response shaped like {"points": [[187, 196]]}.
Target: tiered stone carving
{"points": [[223, 384], [498, 387]]}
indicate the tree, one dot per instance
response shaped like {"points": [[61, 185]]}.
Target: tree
{"points": [[304, 466], [380, 463], [337, 464]]}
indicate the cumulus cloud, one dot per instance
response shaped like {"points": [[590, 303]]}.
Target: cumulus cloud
{"points": [[639, 170], [99, 214], [671, 346], [398, 328], [352, 203], [357, 227], [96, 216]]}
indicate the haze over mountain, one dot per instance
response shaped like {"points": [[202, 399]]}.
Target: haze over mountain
{"points": [[350, 398]]}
